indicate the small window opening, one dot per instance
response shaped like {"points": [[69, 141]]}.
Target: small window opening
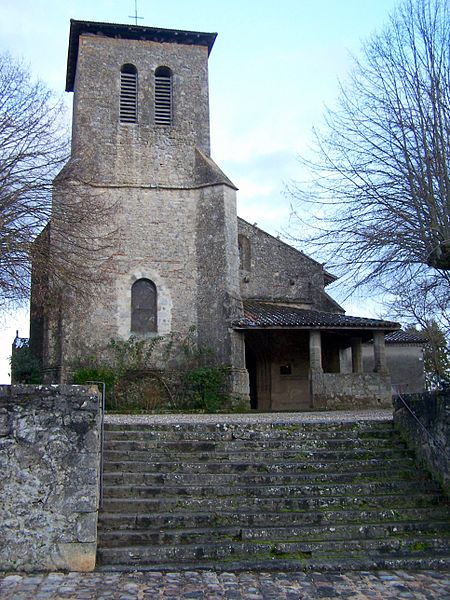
{"points": [[286, 369], [128, 94], [163, 96], [143, 306]]}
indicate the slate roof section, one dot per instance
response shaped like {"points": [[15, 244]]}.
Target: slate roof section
{"points": [[264, 315], [129, 32]]}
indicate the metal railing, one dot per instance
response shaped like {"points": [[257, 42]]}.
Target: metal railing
{"points": [[432, 437]]}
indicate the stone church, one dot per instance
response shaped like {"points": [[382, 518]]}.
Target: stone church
{"points": [[141, 113]]}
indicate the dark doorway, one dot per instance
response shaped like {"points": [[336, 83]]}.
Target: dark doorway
{"points": [[250, 363]]}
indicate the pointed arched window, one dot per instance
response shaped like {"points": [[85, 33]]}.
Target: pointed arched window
{"points": [[163, 96], [128, 94], [143, 306]]}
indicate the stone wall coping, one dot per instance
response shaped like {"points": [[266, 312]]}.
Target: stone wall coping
{"points": [[25, 394]]}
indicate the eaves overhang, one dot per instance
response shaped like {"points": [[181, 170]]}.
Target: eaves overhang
{"points": [[267, 315], [128, 32]]}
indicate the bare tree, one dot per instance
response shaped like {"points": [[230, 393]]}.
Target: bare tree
{"points": [[421, 301], [33, 147], [436, 356], [379, 206], [71, 256], [425, 303], [67, 241], [436, 353]]}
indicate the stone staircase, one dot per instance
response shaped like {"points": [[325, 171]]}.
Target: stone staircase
{"points": [[268, 496]]}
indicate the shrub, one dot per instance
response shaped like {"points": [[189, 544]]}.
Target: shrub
{"points": [[205, 389], [156, 374], [25, 366], [88, 374]]}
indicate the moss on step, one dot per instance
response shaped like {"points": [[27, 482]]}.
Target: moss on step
{"points": [[420, 547], [275, 552], [287, 428]]}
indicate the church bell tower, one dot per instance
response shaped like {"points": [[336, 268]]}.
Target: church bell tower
{"points": [[140, 101], [141, 135]]}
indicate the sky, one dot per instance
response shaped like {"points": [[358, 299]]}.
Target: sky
{"points": [[274, 67]]}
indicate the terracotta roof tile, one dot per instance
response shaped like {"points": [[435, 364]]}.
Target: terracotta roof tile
{"points": [[269, 315]]}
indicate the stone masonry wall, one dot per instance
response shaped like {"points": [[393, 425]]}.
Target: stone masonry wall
{"points": [[218, 301], [431, 414], [158, 243], [139, 153], [350, 391], [50, 466], [281, 273]]}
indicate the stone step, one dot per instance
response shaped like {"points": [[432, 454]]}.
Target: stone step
{"points": [[120, 537], [283, 496], [230, 435], [253, 430], [261, 456], [221, 490], [113, 478], [187, 446], [154, 554], [190, 520], [420, 562], [248, 466], [271, 504]]}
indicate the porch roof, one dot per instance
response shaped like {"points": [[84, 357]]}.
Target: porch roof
{"points": [[266, 315]]}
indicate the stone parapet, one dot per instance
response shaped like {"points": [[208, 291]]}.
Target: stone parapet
{"points": [[50, 464], [350, 391], [424, 422]]}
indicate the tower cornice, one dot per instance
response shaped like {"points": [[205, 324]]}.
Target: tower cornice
{"points": [[129, 32]]}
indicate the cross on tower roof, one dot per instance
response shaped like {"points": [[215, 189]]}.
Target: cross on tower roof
{"points": [[135, 16]]}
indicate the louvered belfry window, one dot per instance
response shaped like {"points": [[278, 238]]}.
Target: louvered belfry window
{"points": [[128, 94], [163, 96]]}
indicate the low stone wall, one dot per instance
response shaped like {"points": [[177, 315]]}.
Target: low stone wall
{"points": [[50, 466], [432, 410], [350, 391]]}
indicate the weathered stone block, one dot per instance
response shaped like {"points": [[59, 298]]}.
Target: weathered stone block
{"points": [[75, 556], [87, 527], [50, 459], [80, 500]]}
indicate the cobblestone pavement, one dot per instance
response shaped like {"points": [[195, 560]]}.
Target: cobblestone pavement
{"points": [[208, 585]]}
